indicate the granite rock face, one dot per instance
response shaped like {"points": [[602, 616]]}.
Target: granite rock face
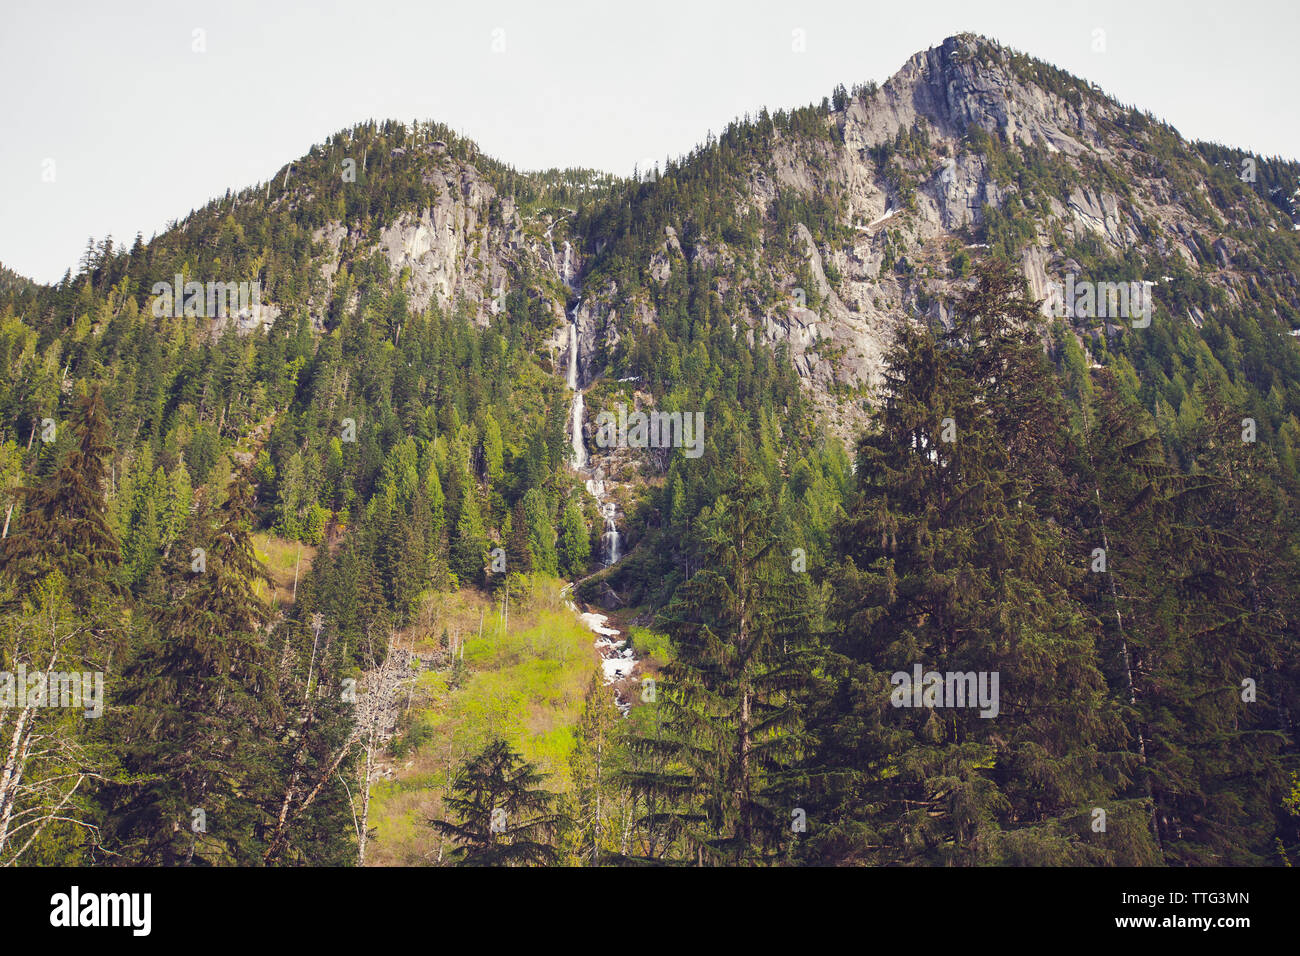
{"points": [[911, 186]]}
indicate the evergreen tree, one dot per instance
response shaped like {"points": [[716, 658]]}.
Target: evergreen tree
{"points": [[64, 524], [469, 544], [948, 565], [731, 728], [200, 706], [540, 532], [1195, 608], [502, 816], [594, 765], [575, 542]]}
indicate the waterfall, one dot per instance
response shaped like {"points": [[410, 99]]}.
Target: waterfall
{"points": [[579, 447], [612, 540], [573, 355], [564, 271]]}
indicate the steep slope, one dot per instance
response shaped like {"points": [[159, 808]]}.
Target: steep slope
{"points": [[787, 250], [450, 227], [827, 227]]}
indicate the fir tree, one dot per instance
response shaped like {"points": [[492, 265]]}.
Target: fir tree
{"points": [[575, 542], [200, 706], [469, 544], [594, 765], [64, 524], [947, 564], [502, 816], [731, 726]]}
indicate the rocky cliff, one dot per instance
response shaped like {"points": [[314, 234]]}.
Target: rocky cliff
{"points": [[827, 226]]}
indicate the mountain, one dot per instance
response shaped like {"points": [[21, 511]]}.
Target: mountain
{"points": [[417, 403], [862, 205], [969, 146]]}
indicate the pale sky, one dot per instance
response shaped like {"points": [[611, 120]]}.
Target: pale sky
{"points": [[141, 128]]}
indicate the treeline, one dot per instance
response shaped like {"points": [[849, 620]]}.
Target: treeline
{"points": [[202, 744]]}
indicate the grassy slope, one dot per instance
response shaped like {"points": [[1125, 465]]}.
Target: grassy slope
{"points": [[524, 683], [281, 558]]}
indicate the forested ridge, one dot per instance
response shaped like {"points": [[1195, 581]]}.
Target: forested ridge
{"points": [[319, 560]]}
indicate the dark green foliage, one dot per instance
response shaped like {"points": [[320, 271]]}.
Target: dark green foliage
{"points": [[952, 562], [729, 728], [502, 814], [64, 524], [200, 704], [406, 443]]}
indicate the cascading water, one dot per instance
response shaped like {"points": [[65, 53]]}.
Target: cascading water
{"points": [[612, 540], [578, 411], [573, 354], [579, 448], [618, 661]]}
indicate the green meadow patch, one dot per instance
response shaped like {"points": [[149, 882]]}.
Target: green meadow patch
{"points": [[524, 683]]}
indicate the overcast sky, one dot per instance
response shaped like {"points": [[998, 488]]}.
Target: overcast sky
{"points": [[141, 127]]}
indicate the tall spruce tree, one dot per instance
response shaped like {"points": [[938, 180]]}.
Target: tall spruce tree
{"points": [[594, 765], [730, 731], [948, 564], [64, 524], [1198, 623], [200, 706]]}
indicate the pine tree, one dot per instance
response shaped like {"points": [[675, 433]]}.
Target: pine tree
{"points": [[469, 544], [594, 765], [731, 728], [1195, 607], [947, 564], [1233, 571], [541, 533], [200, 706], [64, 524], [502, 815], [575, 542]]}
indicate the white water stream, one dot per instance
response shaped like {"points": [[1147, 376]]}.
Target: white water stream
{"points": [[577, 410], [611, 538], [618, 662]]}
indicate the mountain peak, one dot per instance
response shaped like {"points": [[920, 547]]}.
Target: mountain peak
{"points": [[969, 80]]}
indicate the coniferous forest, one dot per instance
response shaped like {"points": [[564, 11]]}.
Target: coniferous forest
{"points": [[369, 573]]}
